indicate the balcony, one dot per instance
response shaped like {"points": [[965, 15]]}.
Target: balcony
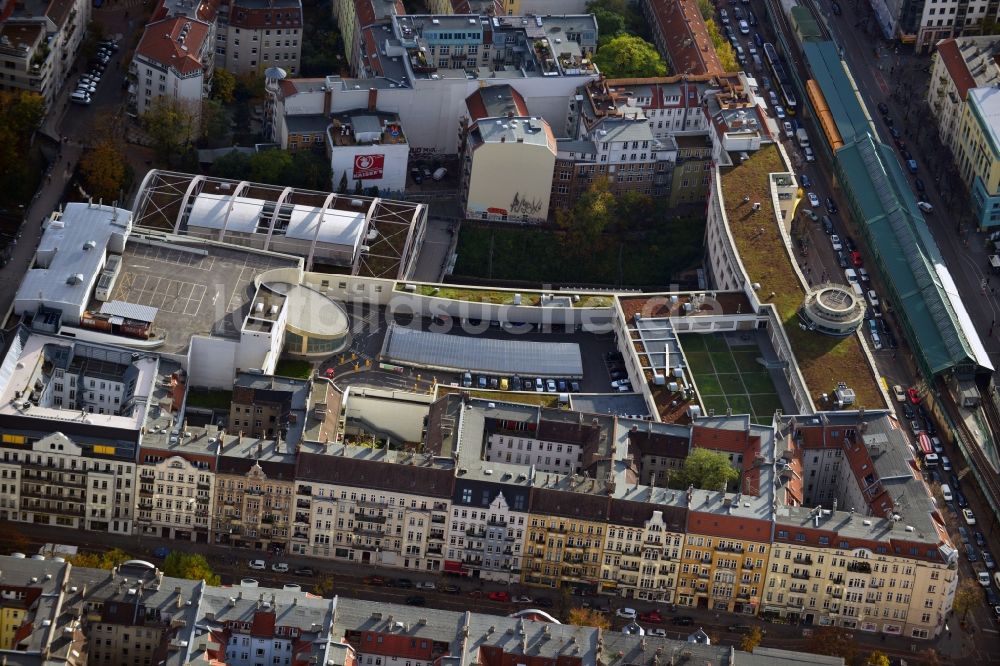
{"points": [[373, 504], [435, 536], [364, 531], [859, 567], [304, 490], [496, 523], [797, 589], [476, 534], [79, 480], [378, 520], [434, 550], [838, 579], [438, 520], [803, 559], [553, 528], [55, 493], [801, 575], [41, 508], [729, 549], [303, 504], [145, 489], [204, 485]]}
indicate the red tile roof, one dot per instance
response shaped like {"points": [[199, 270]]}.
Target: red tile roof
{"points": [[729, 527], [160, 43], [502, 98], [955, 64], [254, 18], [719, 439], [371, 51], [685, 37], [263, 624]]}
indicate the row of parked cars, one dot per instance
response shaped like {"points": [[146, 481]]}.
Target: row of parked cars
{"points": [[86, 85], [515, 383]]}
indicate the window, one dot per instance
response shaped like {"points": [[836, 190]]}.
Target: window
{"points": [[104, 450]]}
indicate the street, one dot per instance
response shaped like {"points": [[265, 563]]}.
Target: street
{"points": [[349, 580]]}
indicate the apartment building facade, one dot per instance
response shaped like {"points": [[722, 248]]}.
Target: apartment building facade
{"points": [[39, 43], [565, 540], [641, 557], [174, 60], [487, 530], [371, 511], [176, 488], [254, 490], [252, 35]]}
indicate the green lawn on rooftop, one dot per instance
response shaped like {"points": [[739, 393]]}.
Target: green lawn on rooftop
{"points": [[823, 360]]}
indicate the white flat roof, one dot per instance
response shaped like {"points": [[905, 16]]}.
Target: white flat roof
{"points": [[336, 227], [61, 251], [209, 212]]}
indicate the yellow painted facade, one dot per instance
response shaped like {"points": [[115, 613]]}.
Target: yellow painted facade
{"points": [[722, 574], [562, 551], [10, 620]]}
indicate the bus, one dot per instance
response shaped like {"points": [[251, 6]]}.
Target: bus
{"points": [[782, 82]]}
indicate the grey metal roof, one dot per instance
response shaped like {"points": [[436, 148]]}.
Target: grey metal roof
{"points": [[61, 252], [479, 354], [145, 313]]}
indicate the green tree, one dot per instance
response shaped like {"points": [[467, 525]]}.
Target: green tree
{"points": [[750, 641], [359, 188], [628, 57], [583, 224], [191, 566], [234, 165], [342, 188], [706, 8], [634, 21], [20, 115], [966, 597], [106, 560], [250, 86], [609, 24], [214, 125], [171, 126], [876, 658], [310, 169], [223, 86], [708, 470], [104, 170], [270, 166], [588, 617]]}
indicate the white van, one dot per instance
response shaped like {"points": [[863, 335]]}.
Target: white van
{"points": [[851, 275], [931, 460], [79, 97], [945, 463], [858, 291], [946, 492]]}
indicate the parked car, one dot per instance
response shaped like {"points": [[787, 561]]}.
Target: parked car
{"points": [[724, 15], [897, 392], [779, 112], [403, 583], [912, 394], [373, 580], [627, 613], [810, 155], [651, 616], [306, 572], [963, 534], [813, 199], [80, 97], [523, 599], [863, 274], [805, 180], [970, 553], [883, 109], [970, 518], [744, 28], [426, 585], [988, 560], [659, 632], [499, 596], [919, 184], [539, 386], [924, 206], [980, 539], [831, 206], [544, 602], [416, 600], [279, 567], [682, 621], [258, 565], [550, 385], [789, 132], [835, 242]]}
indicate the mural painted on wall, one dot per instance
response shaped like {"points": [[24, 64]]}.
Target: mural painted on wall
{"points": [[524, 206]]}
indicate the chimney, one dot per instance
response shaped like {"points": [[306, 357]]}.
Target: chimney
{"points": [[372, 99]]}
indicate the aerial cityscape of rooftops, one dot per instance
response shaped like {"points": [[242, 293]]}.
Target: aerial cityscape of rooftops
{"points": [[499, 332]]}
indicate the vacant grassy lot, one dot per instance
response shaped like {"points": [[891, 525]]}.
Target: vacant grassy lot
{"points": [[535, 255], [294, 369]]}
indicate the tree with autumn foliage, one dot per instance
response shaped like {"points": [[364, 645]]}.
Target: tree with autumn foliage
{"points": [[104, 171], [588, 617], [106, 560], [21, 114], [751, 640]]}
